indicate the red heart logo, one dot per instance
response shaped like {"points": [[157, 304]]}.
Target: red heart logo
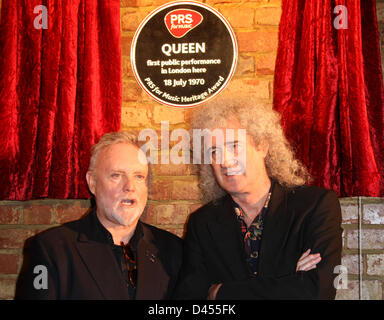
{"points": [[180, 21]]}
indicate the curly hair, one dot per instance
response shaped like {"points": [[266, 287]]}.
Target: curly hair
{"points": [[262, 124]]}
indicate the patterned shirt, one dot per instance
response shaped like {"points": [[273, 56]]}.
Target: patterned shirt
{"points": [[252, 234]]}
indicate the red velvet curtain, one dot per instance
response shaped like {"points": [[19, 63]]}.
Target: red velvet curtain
{"points": [[60, 90], [329, 90]]}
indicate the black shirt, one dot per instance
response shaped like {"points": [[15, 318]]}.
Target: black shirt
{"points": [[106, 237]]}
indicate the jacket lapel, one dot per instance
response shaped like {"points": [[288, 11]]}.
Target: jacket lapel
{"points": [[227, 238], [274, 236], [152, 281], [102, 265], [100, 260]]}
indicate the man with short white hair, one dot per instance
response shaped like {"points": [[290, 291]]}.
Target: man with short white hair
{"points": [[109, 253]]}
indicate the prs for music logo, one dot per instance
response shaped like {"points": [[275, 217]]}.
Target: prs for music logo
{"points": [[179, 22]]}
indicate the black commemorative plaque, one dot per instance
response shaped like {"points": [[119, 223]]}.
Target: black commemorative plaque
{"points": [[184, 53]]}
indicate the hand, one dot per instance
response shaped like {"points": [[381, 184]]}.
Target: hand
{"points": [[308, 261], [212, 292]]}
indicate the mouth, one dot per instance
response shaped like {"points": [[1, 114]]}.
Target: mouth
{"points": [[233, 172], [128, 202]]}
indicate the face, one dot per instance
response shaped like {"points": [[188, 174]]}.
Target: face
{"points": [[119, 184], [237, 163]]}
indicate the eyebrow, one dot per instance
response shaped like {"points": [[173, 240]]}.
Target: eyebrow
{"points": [[227, 143], [234, 141], [122, 171]]}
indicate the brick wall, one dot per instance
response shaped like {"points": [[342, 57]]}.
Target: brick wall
{"points": [[174, 193]]}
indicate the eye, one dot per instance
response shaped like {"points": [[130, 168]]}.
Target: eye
{"points": [[233, 146], [216, 155], [140, 176], [115, 175]]}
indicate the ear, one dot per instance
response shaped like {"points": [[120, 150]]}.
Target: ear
{"points": [[265, 148], [91, 180]]}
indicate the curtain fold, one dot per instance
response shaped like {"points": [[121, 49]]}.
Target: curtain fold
{"points": [[60, 90], [329, 90]]}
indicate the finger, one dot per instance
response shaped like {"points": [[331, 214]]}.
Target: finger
{"points": [[308, 268], [312, 259], [314, 267], [309, 265], [305, 254], [307, 259]]}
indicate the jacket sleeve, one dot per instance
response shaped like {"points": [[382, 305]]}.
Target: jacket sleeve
{"points": [[322, 234], [38, 278]]}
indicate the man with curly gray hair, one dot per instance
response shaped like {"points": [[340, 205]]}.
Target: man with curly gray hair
{"points": [[262, 233]]}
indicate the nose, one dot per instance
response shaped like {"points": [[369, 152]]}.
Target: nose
{"points": [[128, 185], [229, 159]]}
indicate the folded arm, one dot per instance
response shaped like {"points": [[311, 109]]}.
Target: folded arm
{"points": [[323, 234]]}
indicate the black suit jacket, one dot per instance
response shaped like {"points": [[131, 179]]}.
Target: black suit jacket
{"points": [[80, 266], [297, 219]]}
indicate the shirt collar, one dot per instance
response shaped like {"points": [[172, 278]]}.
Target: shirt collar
{"points": [[105, 236], [240, 212]]}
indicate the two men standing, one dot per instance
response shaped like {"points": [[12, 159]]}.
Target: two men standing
{"points": [[262, 234]]}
